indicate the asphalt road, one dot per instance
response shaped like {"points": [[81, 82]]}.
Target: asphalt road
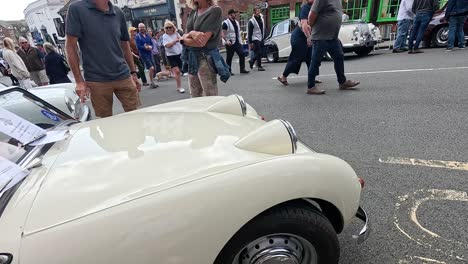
{"points": [[403, 132]]}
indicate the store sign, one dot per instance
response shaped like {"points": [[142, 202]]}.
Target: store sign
{"points": [[150, 11]]}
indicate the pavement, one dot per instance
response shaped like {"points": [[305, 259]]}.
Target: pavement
{"points": [[404, 132]]}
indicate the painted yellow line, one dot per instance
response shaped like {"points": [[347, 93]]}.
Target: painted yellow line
{"points": [[452, 165]]}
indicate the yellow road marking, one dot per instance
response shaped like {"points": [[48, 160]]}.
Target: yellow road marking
{"points": [[452, 165]]}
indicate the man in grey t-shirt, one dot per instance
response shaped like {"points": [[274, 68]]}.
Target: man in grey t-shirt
{"points": [[101, 31], [325, 20]]}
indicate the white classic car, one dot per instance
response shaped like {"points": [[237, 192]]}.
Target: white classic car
{"points": [[197, 181], [357, 37], [62, 96]]}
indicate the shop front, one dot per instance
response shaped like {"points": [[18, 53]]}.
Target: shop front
{"points": [[154, 16]]}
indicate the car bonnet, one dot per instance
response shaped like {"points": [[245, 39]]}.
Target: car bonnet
{"points": [[111, 161]]}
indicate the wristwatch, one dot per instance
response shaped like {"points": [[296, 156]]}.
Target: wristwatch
{"points": [[181, 41]]}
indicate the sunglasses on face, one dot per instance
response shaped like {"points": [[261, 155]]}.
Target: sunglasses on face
{"points": [[169, 27], [24, 43]]}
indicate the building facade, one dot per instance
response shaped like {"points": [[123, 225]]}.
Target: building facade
{"points": [[44, 22], [13, 30]]}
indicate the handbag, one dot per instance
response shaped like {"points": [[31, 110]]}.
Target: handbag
{"points": [[65, 63]]}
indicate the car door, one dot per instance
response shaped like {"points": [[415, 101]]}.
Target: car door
{"points": [[281, 35]]}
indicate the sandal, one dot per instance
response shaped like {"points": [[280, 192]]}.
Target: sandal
{"points": [[284, 82]]}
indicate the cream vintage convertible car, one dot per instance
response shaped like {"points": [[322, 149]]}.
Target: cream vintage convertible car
{"points": [[355, 36], [195, 181]]}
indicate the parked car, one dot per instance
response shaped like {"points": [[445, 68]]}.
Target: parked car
{"points": [[436, 34], [199, 181], [357, 37], [62, 96]]}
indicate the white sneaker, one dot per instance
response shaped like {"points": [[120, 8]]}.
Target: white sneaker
{"points": [[181, 90], [185, 74]]}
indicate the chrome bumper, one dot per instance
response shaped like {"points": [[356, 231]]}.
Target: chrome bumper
{"points": [[365, 231]]}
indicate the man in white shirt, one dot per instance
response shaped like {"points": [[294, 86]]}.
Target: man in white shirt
{"points": [[405, 20]]}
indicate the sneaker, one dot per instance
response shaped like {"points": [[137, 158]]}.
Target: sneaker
{"points": [[449, 49], [398, 51], [315, 91], [185, 74], [154, 86], [261, 69], [145, 84], [404, 49], [251, 64], [232, 74], [181, 90], [349, 85], [410, 51], [462, 48], [244, 71], [418, 51]]}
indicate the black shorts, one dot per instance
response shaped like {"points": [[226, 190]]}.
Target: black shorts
{"points": [[175, 61]]}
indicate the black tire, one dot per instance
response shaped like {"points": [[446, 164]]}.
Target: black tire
{"points": [[440, 37], [295, 219], [272, 55], [364, 51]]}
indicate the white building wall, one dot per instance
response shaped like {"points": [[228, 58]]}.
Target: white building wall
{"points": [[42, 13]]}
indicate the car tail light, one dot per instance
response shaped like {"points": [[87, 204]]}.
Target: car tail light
{"points": [[361, 181], [5, 258]]}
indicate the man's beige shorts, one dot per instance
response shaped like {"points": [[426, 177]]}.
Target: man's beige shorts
{"points": [[102, 96], [39, 77]]}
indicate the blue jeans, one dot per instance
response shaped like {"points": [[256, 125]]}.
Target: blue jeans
{"points": [[421, 21], [319, 48], [456, 24], [403, 30]]}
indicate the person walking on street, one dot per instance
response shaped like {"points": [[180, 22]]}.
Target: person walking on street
{"points": [[173, 51], [231, 39], [301, 45], [6, 71], [256, 29], [155, 52], [162, 49], [405, 20], [423, 10], [202, 55], [101, 31], [144, 44], [136, 56], [55, 65], [34, 60], [325, 20], [17, 66], [456, 13]]}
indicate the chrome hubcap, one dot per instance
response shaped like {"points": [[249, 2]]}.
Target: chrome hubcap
{"points": [[270, 57], [278, 249], [443, 35]]}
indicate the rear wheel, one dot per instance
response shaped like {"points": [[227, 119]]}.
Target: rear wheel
{"points": [[272, 55], [440, 37], [289, 235], [364, 51]]}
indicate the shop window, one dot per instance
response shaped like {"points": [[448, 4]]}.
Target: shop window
{"points": [[298, 9], [278, 14], [388, 10], [357, 9], [243, 21]]}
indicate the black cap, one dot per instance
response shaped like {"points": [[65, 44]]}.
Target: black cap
{"points": [[232, 11]]}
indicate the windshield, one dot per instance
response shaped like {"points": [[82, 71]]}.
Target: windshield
{"points": [[20, 109]]}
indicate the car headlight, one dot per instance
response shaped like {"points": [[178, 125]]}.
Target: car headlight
{"points": [[5, 258], [276, 137], [356, 32], [233, 104]]}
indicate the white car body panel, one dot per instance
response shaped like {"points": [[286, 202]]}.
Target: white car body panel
{"points": [[157, 186]]}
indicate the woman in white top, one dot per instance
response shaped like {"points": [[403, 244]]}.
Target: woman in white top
{"points": [[173, 51], [18, 69]]}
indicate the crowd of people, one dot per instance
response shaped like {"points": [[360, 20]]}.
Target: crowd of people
{"points": [[116, 67], [414, 17]]}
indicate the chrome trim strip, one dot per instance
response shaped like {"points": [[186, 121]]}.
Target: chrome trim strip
{"points": [[292, 134], [365, 231], [243, 104]]}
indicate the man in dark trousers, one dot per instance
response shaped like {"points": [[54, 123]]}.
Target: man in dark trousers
{"points": [[325, 20], [256, 37], [456, 13], [231, 39], [423, 9]]}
